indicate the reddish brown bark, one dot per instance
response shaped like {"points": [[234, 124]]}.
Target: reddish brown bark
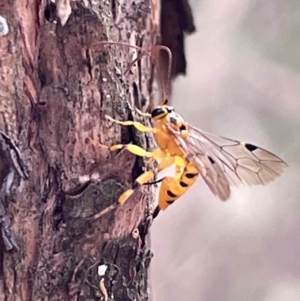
{"points": [[55, 93], [59, 93]]}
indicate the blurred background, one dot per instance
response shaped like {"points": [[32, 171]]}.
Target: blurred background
{"points": [[243, 82]]}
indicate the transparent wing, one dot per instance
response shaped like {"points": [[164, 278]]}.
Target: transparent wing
{"points": [[224, 162]]}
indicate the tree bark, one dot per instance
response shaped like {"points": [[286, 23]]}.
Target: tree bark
{"points": [[57, 176], [55, 92]]}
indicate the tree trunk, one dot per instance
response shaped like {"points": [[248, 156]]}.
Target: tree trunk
{"points": [[55, 92], [57, 176]]}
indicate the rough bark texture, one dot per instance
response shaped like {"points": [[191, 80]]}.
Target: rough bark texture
{"points": [[54, 96], [55, 92]]}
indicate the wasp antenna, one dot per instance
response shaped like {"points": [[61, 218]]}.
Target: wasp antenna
{"points": [[142, 50], [165, 101], [165, 78], [133, 62], [103, 43]]}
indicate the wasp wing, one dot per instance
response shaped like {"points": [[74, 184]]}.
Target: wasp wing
{"points": [[224, 162]]}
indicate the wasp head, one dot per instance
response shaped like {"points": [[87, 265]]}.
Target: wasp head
{"points": [[161, 111]]}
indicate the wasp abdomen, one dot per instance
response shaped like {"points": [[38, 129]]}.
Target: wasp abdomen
{"points": [[173, 188]]}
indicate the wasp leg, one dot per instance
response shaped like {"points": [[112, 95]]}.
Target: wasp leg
{"points": [[103, 149], [157, 154], [133, 62], [142, 113], [134, 149], [139, 126], [146, 177]]}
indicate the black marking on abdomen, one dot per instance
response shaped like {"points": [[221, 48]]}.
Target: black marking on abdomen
{"points": [[171, 194], [250, 147], [191, 175], [182, 184], [170, 202]]}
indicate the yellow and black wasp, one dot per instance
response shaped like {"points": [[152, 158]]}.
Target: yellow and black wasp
{"points": [[221, 162]]}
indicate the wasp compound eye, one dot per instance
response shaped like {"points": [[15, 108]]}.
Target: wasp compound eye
{"points": [[158, 112]]}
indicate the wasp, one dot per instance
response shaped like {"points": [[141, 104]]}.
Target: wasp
{"points": [[221, 162]]}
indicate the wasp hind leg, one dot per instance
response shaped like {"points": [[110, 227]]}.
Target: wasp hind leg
{"points": [[134, 149], [147, 176]]}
